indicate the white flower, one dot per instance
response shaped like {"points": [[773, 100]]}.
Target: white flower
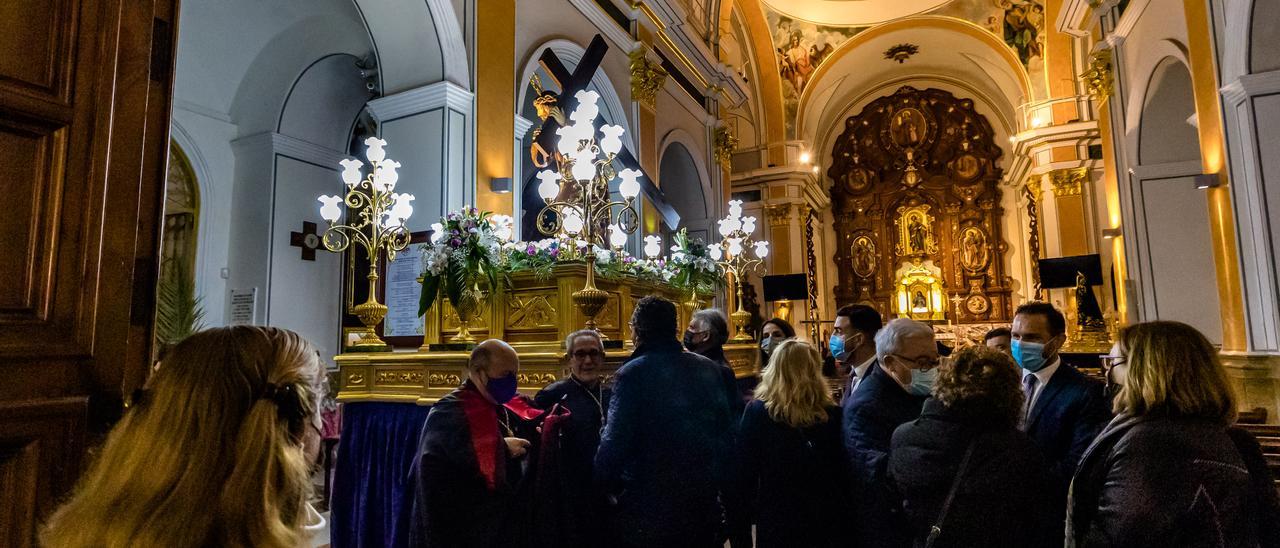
{"points": [[435, 258]]}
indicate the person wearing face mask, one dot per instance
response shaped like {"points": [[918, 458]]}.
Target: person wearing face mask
{"points": [[707, 332], [471, 468], [579, 506], [772, 333], [891, 395], [852, 344], [1064, 409]]}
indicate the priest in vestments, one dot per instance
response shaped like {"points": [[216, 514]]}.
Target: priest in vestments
{"points": [[470, 477], [571, 501]]}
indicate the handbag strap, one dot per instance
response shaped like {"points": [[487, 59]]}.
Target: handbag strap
{"points": [[936, 530]]}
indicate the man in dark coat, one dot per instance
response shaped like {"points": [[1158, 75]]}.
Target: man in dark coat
{"points": [[577, 505], [706, 335], [853, 345], [891, 394], [469, 472], [1065, 409], [663, 456]]}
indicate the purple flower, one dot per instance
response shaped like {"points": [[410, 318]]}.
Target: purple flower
{"points": [[555, 252], [455, 242]]}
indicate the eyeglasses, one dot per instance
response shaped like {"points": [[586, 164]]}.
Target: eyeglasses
{"points": [[1114, 361], [588, 354], [921, 362]]}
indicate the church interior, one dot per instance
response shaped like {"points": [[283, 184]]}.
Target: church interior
{"points": [[397, 180]]}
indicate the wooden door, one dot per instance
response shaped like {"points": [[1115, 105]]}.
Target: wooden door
{"points": [[85, 91]]}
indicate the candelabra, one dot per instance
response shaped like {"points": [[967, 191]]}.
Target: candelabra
{"points": [[577, 198], [378, 226], [731, 254]]}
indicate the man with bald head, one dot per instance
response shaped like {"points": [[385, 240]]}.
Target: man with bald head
{"points": [[472, 457]]}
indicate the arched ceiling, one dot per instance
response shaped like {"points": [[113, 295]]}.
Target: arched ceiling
{"points": [[949, 49], [851, 13]]}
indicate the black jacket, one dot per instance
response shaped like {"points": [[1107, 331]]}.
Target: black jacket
{"points": [[739, 389], [878, 407], [792, 481], [1067, 416], [665, 451], [1002, 500], [578, 505], [1163, 482]]}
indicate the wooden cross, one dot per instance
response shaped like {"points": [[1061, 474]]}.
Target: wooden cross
{"points": [[570, 84], [308, 240]]}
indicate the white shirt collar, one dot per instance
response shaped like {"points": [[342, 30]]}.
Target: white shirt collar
{"points": [[861, 369], [1043, 375]]}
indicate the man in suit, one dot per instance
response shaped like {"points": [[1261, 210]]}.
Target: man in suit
{"points": [[891, 394], [1065, 410], [664, 455], [853, 345]]}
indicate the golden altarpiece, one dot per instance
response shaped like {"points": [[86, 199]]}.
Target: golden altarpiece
{"points": [[916, 207]]}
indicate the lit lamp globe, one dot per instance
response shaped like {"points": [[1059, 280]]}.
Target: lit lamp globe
{"points": [[735, 246], [762, 249], [329, 210], [652, 246], [630, 186], [749, 224], [714, 251], [612, 141], [583, 169], [549, 188], [573, 222], [351, 171], [735, 208], [617, 238]]}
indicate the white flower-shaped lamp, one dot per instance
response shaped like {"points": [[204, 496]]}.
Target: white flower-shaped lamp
{"points": [[329, 210]]}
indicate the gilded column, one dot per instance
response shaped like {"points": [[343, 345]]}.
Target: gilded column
{"points": [[495, 102], [647, 78], [1068, 199], [1204, 83]]}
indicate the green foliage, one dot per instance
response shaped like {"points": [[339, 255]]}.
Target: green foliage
{"points": [[178, 309]]}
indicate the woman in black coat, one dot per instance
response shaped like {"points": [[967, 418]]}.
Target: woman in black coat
{"points": [[791, 480], [1170, 470], [971, 422]]}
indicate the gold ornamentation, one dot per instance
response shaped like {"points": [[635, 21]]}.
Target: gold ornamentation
{"points": [[973, 249], [779, 214], [444, 379], [1068, 182], [1098, 80], [530, 313], [647, 78], [864, 256], [915, 231], [355, 379], [398, 377], [725, 144], [535, 379], [608, 315]]}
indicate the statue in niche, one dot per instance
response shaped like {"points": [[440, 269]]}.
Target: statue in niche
{"points": [[1088, 313], [917, 234], [919, 303], [973, 249], [915, 231], [864, 257]]}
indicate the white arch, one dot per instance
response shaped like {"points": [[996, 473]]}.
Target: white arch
{"points": [[692, 147], [1152, 57], [1236, 39], [571, 53], [402, 33]]}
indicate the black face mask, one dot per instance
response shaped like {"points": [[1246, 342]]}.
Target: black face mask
{"points": [[688, 340]]}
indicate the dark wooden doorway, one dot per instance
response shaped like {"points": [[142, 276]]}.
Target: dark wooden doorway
{"points": [[85, 93]]}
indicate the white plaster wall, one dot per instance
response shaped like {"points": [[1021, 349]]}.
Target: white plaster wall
{"points": [[1180, 256], [206, 139]]}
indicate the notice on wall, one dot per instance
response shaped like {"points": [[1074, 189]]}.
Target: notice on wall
{"points": [[243, 302], [402, 292]]}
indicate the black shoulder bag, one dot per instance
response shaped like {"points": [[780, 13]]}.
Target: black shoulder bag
{"points": [[936, 530]]}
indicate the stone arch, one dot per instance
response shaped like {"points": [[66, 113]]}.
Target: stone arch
{"points": [[416, 43], [328, 94]]}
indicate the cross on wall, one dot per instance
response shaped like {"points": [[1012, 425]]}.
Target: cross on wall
{"points": [[308, 240]]}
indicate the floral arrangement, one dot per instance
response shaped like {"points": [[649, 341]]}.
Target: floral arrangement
{"points": [[465, 249], [692, 266]]}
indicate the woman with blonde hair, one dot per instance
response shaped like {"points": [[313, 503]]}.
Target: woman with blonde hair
{"points": [[1170, 470], [211, 453], [791, 481]]}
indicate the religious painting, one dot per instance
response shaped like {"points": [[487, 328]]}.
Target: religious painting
{"points": [[915, 231], [1020, 23], [801, 47], [966, 167], [973, 249], [908, 128], [864, 256], [857, 180]]}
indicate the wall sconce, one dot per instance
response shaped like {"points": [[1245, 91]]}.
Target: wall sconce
{"points": [[1110, 233], [500, 185], [1207, 180]]}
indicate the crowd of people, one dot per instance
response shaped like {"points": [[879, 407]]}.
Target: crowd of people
{"points": [[994, 445]]}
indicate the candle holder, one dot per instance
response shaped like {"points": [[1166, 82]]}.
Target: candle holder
{"points": [[378, 226], [734, 260]]}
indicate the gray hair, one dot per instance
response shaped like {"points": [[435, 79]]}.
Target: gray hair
{"points": [[889, 339], [573, 337], [716, 323]]}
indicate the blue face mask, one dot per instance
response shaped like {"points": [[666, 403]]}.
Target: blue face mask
{"points": [[836, 346], [766, 344], [502, 389], [1029, 355], [922, 381]]}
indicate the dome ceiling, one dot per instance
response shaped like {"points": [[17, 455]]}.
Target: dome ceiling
{"points": [[851, 13]]}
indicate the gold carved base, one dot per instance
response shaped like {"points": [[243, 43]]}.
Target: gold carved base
{"points": [[590, 301]]}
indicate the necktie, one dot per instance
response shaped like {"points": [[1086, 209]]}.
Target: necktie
{"points": [[1029, 388]]}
